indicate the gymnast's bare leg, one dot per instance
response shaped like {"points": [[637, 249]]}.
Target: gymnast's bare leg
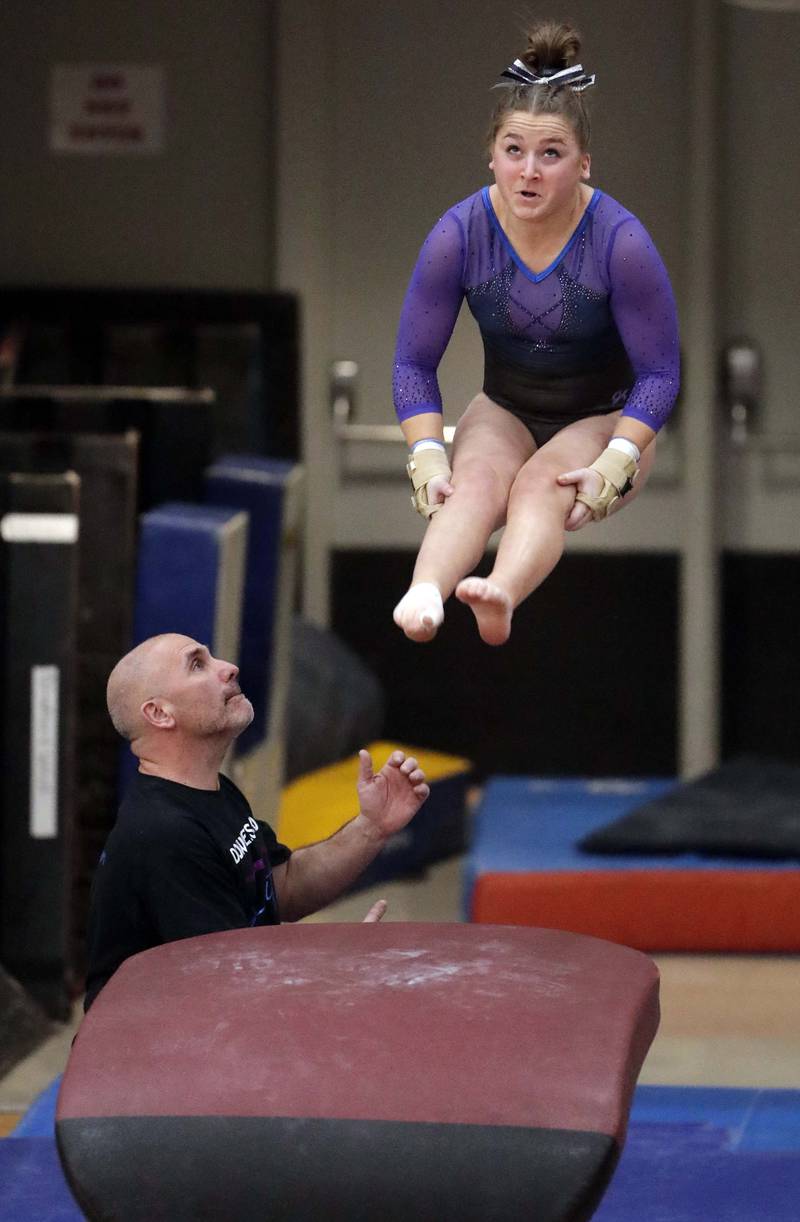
{"points": [[489, 449], [537, 516]]}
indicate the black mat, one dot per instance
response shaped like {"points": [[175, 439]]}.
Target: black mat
{"points": [[749, 807], [336, 703], [23, 1024]]}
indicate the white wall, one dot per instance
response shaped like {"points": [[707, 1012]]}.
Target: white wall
{"points": [[200, 214], [759, 245]]}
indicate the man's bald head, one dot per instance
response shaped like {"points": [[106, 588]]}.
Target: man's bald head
{"points": [[134, 680], [169, 695]]}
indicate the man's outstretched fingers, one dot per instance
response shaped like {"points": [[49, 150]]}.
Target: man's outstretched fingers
{"points": [[365, 772], [375, 913]]}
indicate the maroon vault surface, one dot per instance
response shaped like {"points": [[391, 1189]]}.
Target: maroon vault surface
{"points": [[358, 1072]]}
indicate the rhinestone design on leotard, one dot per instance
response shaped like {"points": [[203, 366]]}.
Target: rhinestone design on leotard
{"points": [[606, 296]]}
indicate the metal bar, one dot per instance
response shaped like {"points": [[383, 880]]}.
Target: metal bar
{"points": [[103, 394], [378, 432], [699, 691], [774, 443]]}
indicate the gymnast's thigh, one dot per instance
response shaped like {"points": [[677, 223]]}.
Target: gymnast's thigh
{"points": [[487, 432], [580, 443]]}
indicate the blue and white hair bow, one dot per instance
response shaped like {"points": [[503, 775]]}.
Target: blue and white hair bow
{"points": [[574, 77]]}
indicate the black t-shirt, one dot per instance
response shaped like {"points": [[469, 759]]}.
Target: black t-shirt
{"points": [[179, 862]]}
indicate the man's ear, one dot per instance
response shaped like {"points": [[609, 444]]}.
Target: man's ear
{"points": [[157, 714]]}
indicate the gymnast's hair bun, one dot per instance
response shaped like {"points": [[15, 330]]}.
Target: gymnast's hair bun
{"points": [[552, 45]]}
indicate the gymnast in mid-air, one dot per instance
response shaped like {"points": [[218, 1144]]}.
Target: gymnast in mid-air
{"points": [[580, 338]]}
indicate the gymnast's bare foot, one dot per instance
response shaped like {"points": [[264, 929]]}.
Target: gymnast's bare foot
{"points": [[420, 612], [491, 607]]}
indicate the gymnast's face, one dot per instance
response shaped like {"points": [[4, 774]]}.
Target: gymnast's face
{"points": [[538, 166], [200, 694]]}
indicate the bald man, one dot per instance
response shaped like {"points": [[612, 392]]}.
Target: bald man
{"points": [[186, 855]]}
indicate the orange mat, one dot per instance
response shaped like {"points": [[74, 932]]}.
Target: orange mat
{"points": [[655, 910], [524, 869]]}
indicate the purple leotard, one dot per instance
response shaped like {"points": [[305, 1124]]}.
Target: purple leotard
{"points": [[595, 331]]}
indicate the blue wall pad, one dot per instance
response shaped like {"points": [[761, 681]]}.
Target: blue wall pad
{"points": [[184, 569], [261, 486], [190, 577]]}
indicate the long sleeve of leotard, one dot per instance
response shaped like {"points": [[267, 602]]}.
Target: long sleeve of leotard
{"points": [[429, 314], [644, 311]]}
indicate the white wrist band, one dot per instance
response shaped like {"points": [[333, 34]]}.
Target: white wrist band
{"points": [[427, 443], [625, 447]]}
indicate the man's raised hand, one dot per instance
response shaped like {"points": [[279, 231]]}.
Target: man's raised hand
{"points": [[390, 798]]}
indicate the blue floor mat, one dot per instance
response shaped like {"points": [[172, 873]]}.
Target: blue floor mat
{"points": [[689, 1173], [715, 1153], [693, 1154], [32, 1184], [40, 1118], [752, 1118]]}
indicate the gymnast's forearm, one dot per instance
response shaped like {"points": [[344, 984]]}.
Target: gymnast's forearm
{"points": [[424, 425], [631, 429]]}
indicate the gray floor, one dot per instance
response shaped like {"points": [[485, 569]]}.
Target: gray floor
{"points": [[727, 1020]]}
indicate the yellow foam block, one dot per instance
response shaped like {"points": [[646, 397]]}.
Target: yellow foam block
{"points": [[316, 805]]}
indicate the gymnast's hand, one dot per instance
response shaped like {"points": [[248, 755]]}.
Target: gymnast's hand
{"points": [[584, 480], [390, 798], [438, 489], [376, 913]]}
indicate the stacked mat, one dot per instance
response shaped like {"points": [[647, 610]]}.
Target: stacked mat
{"points": [[190, 576], [224, 573], [38, 602], [651, 888], [271, 492]]}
